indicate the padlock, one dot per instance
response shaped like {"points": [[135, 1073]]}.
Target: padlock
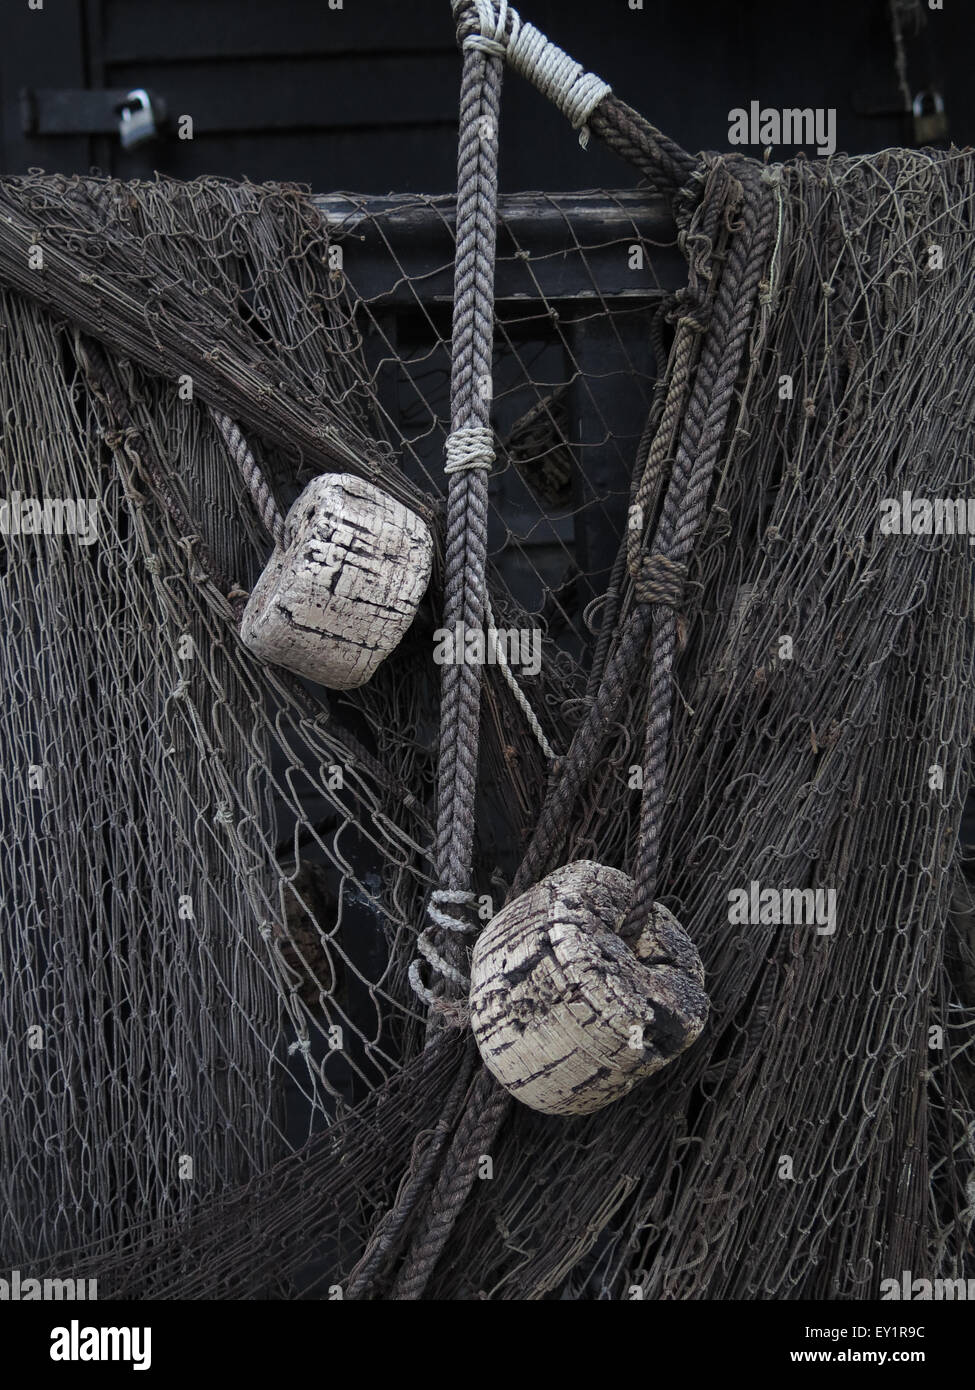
{"points": [[930, 121], [137, 119]]}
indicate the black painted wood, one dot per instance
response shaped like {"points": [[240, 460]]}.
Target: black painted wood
{"points": [[40, 47], [365, 96]]}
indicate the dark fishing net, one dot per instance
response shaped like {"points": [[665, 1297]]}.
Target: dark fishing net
{"points": [[212, 865], [219, 1083]]}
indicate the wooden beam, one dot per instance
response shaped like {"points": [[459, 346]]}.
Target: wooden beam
{"points": [[551, 247]]}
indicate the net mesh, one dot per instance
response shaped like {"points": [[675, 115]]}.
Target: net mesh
{"points": [[218, 1078]]}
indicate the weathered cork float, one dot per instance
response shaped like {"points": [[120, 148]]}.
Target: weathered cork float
{"points": [[338, 596], [569, 1016]]}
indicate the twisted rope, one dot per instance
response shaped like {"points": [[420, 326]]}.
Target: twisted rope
{"points": [[482, 1118], [521, 698], [427, 1150], [684, 510], [703, 419], [242, 455]]}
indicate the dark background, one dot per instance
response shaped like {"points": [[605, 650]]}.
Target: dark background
{"points": [[364, 97]]}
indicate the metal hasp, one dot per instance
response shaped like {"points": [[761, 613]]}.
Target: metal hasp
{"points": [[135, 115]]}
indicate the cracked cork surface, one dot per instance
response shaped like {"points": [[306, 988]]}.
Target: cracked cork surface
{"points": [[338, 598], [566, 1015]]}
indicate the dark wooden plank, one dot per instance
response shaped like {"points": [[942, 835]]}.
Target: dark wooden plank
{"points": [[539, 245], [310, 94], [41, 48], [187, 30], [411, 156]]}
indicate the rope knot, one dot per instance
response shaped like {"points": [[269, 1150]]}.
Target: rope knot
{"points": [[471, 446], [492, 27], [492, 47], [691, 309], [659, 580]]}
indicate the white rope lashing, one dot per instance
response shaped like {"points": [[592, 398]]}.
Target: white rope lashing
{"points": [[565, 82]]}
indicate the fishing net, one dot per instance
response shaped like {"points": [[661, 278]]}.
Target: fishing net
{"points": [[230, 1073]]}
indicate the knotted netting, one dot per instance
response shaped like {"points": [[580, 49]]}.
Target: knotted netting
{"points": [[219, 1079]]}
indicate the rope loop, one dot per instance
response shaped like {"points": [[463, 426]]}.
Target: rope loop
{"points": [[688, 307], [489, 37], [446, 921], [455, 897]]}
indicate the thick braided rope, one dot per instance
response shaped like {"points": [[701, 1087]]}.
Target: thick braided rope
{"points": [[634, 139], [242, 455], [469, 453], [643, 499], [683, 356], [704, 419], [683, 513], [495, 28], [479, 1124], [469, 446], [429, 1145]]}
